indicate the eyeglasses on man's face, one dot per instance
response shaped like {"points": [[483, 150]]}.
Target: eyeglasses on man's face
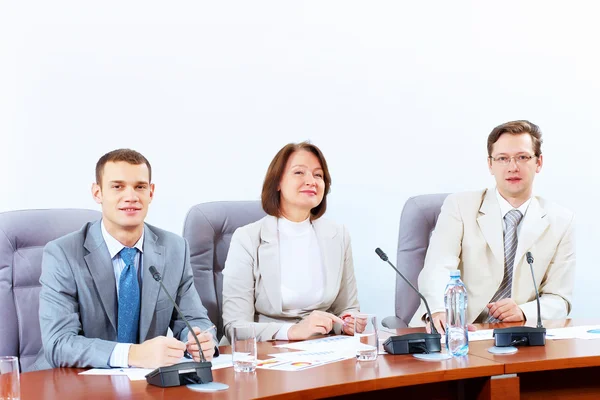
{"points": [[519, 159]]}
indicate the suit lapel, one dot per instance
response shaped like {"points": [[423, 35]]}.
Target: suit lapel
{"points": [[153, 255], [100, 266], [268, 259], [490, 223], [534, 224], [331, 256]]}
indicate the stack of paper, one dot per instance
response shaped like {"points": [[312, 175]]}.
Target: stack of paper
{"points": [[301, 360], [313, 353]]}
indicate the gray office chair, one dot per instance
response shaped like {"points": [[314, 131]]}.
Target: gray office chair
{"points": [[418, 219], [208, 229], [23, 235]]}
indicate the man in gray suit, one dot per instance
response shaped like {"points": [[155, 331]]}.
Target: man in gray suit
{"points": [[99, 305]]}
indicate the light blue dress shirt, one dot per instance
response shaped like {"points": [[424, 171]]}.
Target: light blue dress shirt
{"points": [[120, 355]]}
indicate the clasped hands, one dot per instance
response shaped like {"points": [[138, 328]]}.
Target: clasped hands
{"points": [[321, 323], [505, 310], [163, 351]]}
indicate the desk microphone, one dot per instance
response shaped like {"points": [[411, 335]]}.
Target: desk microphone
{"points": [[183, 373], [413, 342], [523, 335]]}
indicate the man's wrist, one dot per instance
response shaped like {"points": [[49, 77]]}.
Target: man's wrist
{"points": [[119, 356], [132, 356]]}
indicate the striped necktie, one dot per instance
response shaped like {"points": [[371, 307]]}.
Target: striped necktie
{"points": [[512, 218]]}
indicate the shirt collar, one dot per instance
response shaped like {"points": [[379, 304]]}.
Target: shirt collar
{"points": [[291, 228], [505, 206], [114, 246]]}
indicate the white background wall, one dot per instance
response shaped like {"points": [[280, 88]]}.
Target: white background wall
{"points": [[400, 96]]}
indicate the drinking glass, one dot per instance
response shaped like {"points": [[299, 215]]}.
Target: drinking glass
{"points": [[243, 348], [365, 329], [10, 387]]}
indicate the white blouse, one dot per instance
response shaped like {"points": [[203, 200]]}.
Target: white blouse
{"points": [[302, 272]]}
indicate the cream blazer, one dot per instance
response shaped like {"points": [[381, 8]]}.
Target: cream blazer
{"points": [[468, 236], [252, 277]]}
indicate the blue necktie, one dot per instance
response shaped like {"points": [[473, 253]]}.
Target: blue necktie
{"points": [[129, 299]]}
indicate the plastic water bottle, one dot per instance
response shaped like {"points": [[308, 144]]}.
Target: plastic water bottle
{"points": [[455, 298]]}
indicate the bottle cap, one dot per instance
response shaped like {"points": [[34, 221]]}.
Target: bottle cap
{"points": [[455, 273]]}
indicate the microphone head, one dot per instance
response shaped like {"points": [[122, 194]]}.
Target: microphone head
{"points": [[529, 257], [381, 254], [155, 273]]}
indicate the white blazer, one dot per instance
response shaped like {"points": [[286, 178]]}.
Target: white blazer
{"points": [[468, 236], [252, 277]]}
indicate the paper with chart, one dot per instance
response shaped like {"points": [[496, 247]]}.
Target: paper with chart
{"points": [[301, 360], [339, 343], [311, 356], [574, 332], [313, 353]]}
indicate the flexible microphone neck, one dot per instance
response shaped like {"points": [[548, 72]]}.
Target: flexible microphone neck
{"points": [[157, 278], [537, 294], [385, 258]]}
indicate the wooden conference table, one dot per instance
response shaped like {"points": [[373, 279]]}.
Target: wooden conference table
{"points": [[562, 369]]}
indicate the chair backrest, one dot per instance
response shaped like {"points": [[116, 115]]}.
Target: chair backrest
{"points": [[418, 219], [23, 235], [208, 229]]}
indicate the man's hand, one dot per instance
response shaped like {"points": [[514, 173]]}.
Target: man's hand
{"points": [[506, 310], [206, 341], [158, 352], [317, 323], [439, 321]]}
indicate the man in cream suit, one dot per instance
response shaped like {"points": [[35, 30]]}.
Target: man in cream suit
{"points": [[486, 235], [99, 305]]}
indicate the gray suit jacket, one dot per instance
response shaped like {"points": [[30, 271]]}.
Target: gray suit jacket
{"points": [[252, 277], [78, 299]]}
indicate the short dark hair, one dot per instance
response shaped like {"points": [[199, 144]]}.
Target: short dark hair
{"points": [[270, 196], [127, 155], [517, 128]]}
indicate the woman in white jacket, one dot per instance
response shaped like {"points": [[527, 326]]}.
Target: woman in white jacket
{"points": [[291, 273]]}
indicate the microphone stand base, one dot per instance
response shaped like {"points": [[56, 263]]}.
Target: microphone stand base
{"points": [[414, 343], [208, 387], [181, 374], [520, 336]]}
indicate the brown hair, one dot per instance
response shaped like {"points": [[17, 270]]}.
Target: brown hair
{"points": [[270, 196], [516, 128], [127, 155]]}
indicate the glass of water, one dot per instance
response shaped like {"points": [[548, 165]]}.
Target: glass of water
{"points": [[365, 330], [10, 388], [243, 348]]}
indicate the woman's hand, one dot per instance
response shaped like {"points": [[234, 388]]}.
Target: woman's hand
{"points": [[317, 323]]}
